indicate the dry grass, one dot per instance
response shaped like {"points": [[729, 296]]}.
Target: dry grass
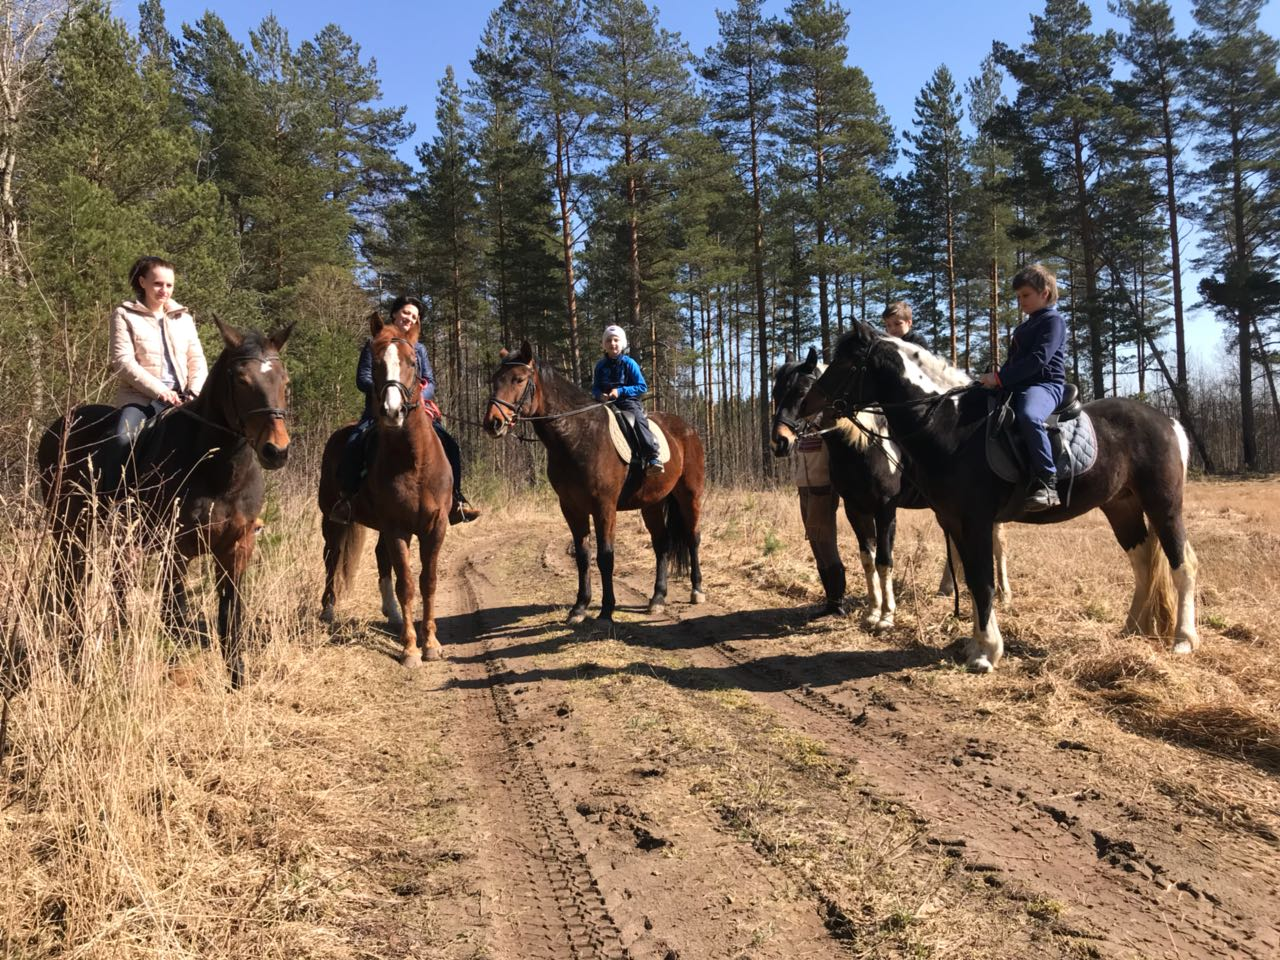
{"points": [[1070, 663]]}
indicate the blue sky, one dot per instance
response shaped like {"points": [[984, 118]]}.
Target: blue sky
{"points": [[898, 45]]}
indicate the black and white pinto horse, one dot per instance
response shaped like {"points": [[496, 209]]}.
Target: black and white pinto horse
{"points": [[937, 416], [867, 472]]}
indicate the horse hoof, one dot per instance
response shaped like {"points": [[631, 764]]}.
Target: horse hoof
{"points": [[395, 623], [411, 661], [657, 608], [1184, 646], [870, 621], [698, 597], [435, 653], [980, 664], [885, 623], [576, 616], [326, 615]]}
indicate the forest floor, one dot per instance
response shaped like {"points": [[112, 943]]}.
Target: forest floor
{"points": [[742, 779]]}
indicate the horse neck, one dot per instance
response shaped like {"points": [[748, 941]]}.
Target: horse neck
{"points": [[925, 431], [574, 435]]}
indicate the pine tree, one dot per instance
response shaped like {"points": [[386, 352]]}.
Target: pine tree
{"points": [[741, 74], [1237, 97], [450, 207], [1063, 77], [939, 172], [639, 89], [550, 36]]}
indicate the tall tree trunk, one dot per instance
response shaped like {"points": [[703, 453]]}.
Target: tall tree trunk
{"points": [[566, 246], [1244, 320], [757, 268], [1265, 360], [1175, 252]]}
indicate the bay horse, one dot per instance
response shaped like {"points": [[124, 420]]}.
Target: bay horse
{"points": [[200, 463], [592, 482], [938, 416], [407, 491], [867, 472]]}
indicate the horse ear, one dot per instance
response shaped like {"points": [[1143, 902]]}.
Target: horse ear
{"points": [[812, 359], [375, 323], [788, 357], [230, 335], [277, 339], [503, 353], [526, 352]]}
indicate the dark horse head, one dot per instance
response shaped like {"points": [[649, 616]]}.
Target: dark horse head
{"points": [[790, 386], [513, 391], [397, 383], [248, 390]]}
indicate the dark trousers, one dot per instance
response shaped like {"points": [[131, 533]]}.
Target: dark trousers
{"points": [[634, 406], [1032, 405], [351, 468]]}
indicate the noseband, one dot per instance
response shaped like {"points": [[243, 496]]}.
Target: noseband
{"points": [[411, 398], [795, 424], [513, 409]]}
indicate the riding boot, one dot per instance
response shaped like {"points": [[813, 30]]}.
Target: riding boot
{"points": [[462, 511], [833, 585], [1043, 494]]}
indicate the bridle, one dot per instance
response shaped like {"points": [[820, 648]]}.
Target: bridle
{"points": [[411, 398], [792, 423], [241, 416], [512, 410]]}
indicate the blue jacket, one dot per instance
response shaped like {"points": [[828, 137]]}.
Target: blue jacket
{"points": [[364, 376], [622, 374], [1037, 352]]}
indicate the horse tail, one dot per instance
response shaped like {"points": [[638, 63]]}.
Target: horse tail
{"points": [[349, 544], [679, 536], [1157, 615]]}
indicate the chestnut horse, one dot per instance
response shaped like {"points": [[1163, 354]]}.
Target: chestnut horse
{"points": [[592, 482], [407, 490], [938, 416], [201, 462]]}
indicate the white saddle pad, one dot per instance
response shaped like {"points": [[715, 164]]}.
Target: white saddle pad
{"points": [[624, 449]]}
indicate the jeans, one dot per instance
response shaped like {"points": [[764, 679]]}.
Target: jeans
{"points": [[1032, 404], [634, 406], [129, 422]]}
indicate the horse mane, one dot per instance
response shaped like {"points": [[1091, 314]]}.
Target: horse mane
{"points": [[857, 435], [942, 374], [561, 395]]}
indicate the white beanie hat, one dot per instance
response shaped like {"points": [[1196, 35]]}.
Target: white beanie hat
{"points": [[613, 330]]}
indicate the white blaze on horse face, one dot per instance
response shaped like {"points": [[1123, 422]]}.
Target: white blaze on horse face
{"points": [[266, 366], [391, 399]]}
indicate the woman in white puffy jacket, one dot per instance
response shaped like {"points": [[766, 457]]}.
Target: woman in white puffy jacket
{"points": [[155, 355]]}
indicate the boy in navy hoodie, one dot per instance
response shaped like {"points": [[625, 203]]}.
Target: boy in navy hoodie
{"points": [[1035, 374], [618, 378]]}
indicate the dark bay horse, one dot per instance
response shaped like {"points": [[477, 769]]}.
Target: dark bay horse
{"points": [[939, 419], [407, 491], [201, 462], [867, 472], [592, 481]]}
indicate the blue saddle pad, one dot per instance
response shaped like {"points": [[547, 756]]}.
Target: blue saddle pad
{"points": [[1074, 443]]}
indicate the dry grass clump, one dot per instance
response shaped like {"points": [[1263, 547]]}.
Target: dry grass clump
{"points": [[142, 815]]}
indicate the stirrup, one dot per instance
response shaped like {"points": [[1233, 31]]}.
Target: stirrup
{"points": [[462, 512], [340, 512]]}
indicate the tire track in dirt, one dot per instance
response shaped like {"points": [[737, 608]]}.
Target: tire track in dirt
{"points": [[548, 904], [1021, 823]]}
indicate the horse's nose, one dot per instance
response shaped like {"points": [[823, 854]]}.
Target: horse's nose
{"points": [[274, 457]]}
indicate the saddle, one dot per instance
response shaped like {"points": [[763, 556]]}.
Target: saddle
{"points": [[1071, 437], [622, 431]]}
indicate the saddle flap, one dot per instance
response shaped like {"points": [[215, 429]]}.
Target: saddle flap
{"points": [[622, 433]]}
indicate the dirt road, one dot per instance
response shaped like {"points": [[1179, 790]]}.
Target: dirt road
{"points": [[733, 780]]}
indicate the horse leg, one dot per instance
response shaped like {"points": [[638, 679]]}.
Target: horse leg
{"points": [[390, 606], [232, 559], [948, 582], [580, 528], [176, 612], [1004, 594], [864, 529], [818, 512], [332, 557], [1172, 534], [605, 520], [690, 505], [398, 547], [429, 545], [986, 647], [1130, 528], [886, 527], [655, 522]]}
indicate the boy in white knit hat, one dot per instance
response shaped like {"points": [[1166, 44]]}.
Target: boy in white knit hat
{"points": [[618, 378]]}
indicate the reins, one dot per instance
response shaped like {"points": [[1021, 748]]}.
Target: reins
{"points": [[516, 417]]}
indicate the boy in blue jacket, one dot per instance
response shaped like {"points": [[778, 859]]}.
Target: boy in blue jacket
{"points": [[618, 378], [1035, 374]]}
